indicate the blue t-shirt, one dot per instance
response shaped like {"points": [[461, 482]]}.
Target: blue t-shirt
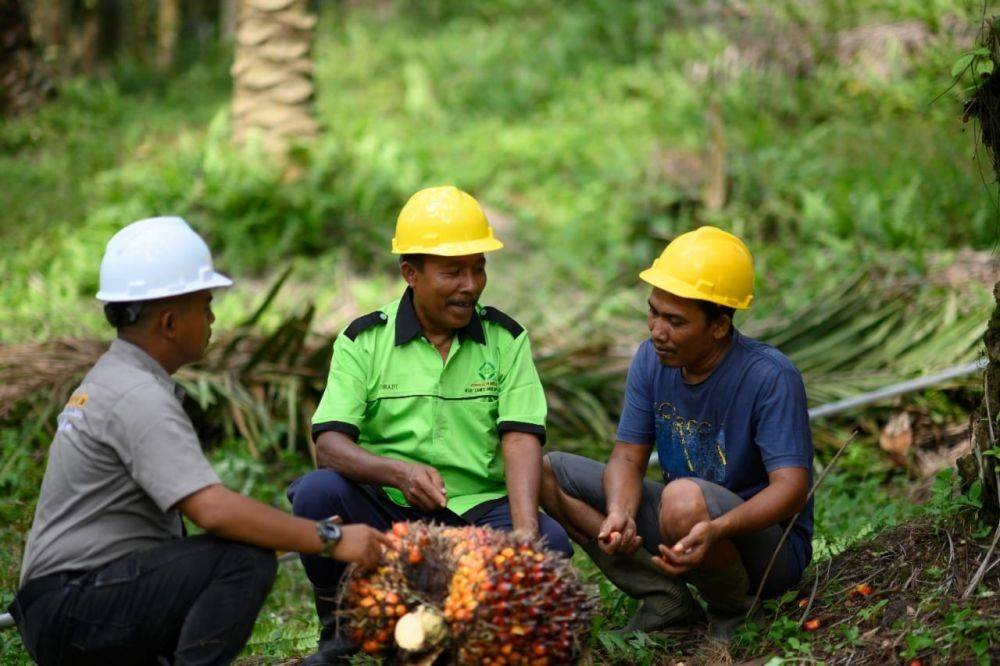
{"points": [[748, 418]]}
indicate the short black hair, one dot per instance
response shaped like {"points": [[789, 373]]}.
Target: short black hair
{"points": [[125, 314], [122, 315], [415, 260], [713, 310]]}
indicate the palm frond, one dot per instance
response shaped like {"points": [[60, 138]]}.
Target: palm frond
{"points": [[263, 387]]}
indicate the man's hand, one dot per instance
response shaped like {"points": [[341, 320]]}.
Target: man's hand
{"points": [[623, 489], [361, 545], [423, 488], [689, 552], [527, 532], [618, 534]]}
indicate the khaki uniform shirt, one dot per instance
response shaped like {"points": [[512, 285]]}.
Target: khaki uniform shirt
{"points": [[124, 454]]}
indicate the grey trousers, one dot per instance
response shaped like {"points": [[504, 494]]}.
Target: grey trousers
{"points": [[583, 479]]}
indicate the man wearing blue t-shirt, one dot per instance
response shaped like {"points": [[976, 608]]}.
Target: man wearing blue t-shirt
{"points": [[727, 416]]}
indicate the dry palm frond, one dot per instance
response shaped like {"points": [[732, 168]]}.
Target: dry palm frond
{"points": [[264, 388], [864, 334], [851, 342], [32, 370]]}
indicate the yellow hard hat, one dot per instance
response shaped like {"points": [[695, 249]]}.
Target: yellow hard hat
{"points": [[444, 221], [708, 264]]}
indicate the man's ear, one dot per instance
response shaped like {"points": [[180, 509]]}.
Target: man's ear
{"points": [[409, 272], [721, 326], [167, 323]]}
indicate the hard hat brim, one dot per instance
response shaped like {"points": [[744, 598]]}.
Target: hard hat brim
{"points": [[218, 281], [678, 288], [456, 249], [214, 281]]}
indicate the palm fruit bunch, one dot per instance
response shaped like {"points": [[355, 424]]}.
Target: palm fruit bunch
{"points": [[415, 565], [468, 596]]}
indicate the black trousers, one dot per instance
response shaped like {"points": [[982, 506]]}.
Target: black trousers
{"points": [[189, 601]]}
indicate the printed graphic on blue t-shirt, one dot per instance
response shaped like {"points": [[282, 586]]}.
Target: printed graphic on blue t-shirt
{"points": [[690, 447], [746, 419]]}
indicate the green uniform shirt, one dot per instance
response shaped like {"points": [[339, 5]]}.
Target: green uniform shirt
{"points": [[390, 391]]}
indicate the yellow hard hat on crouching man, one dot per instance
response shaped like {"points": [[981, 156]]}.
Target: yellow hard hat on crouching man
{"points": [[707, 264], [433, 410], [727, 417]]}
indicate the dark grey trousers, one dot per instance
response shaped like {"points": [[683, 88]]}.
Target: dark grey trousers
{"points": [[583, 479]]}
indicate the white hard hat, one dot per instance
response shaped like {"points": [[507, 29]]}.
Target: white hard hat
{"points": [[156, 258]]}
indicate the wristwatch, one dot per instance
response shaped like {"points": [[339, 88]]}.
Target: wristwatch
{"points": [[329, 533]]}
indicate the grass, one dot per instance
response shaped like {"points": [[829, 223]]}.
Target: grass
{"points": [[910, 603], [19, 483], [49, 161], [287, 625], [584, 123]]}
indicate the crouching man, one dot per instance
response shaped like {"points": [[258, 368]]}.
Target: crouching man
{"points": [[433, 410], [108, 576], [727, 416]]}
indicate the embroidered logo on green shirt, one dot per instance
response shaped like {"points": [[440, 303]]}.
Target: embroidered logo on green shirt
{"points": [[487, 370]]}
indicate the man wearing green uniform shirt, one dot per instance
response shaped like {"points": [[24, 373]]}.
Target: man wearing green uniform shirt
{"points": [[433, 408]]}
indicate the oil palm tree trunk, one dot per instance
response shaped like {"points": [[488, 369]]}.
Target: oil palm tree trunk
{"points": [[272, 73]]}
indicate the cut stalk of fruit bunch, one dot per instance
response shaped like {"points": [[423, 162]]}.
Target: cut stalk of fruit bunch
{"points": [[421, 630]]}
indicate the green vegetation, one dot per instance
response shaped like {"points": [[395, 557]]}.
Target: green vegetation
{"points": [[587, 129], [584, 122], [894, 596]]}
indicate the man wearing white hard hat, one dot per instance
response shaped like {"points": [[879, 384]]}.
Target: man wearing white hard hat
{"points": [[108, 575]]}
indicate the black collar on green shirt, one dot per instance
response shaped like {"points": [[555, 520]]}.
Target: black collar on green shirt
{"points": [[408, 326]]}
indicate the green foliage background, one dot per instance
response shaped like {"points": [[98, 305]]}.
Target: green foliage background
{"points": [[560, 115]]}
